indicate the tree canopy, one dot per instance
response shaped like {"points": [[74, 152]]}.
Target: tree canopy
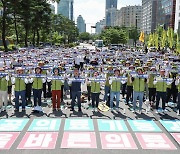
{"points": [[32, 21]]}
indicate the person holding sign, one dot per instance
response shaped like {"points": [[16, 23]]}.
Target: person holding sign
{"points": [[138, 82], [129, 94], [107, 85], [37, 88], [151, 86], [161, 88], [178, 86], [3, 90], [43, 71], [95, 91], [172, 90], [76, 90], [56, 89], [20, 89], [89, 75], [115, 89]]}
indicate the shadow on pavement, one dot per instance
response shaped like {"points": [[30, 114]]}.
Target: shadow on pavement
{"points": [[78, 114], [99, 115], [57, 114]]}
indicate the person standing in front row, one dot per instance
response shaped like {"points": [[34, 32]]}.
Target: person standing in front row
{"points": [[161, 88], [151, 86], [37, 88], [107, 85], [76, 90], [95, 91], [20, 89], [115, 89], [138, 89], [3, 90], [178, 86], [56, 89]]}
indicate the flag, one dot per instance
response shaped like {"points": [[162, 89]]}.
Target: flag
{"points": [[141, 38], [156, 40], [171, 43], [178, 45], [150, 40], [164, 39], [170, 35]]}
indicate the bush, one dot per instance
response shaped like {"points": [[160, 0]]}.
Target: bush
{"points": [[1, 48], [11, 47]]}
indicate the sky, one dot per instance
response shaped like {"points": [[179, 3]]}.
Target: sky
{"points": [[94, 10]]}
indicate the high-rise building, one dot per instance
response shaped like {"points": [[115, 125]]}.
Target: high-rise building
{"points": [[81, 25], [111, 3], [149, 9], [65, 7], [100, 26], [177, 17], [111, 8], [129, 16], [166, 13]]}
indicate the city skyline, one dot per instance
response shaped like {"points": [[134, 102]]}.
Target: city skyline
{"points": [[94, 10], [98, 12]]}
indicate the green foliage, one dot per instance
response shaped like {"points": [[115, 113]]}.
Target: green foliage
{"points": [[31, 21], [163, 39], [134, 34], [114, 36], [85, 36], [56, 38]]}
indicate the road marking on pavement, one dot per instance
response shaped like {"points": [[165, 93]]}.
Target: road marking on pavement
{"points": [[45, 125], [13, 125], [7, 139], [79, 140], [176, 136], [144, 126], [117, 141], [79, 125], [171, 125], [112, 125], [155, 141], [38, 140]]}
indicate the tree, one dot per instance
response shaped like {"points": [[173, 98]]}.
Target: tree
{"points": [[32, 21], [114, 36], [64, 27], [84, 36], [134, 35], [4, 4]]}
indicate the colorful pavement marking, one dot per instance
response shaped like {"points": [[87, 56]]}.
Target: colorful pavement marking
{"points": [[39, 140], [79, 140], [45, 125], [155, 141]]}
